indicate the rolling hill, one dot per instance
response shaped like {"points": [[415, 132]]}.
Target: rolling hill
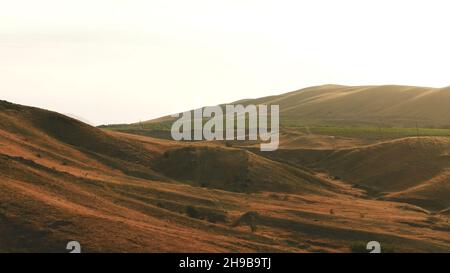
{"points": [[370, 112], [388, 105], [401, 106], [413, 170], [112, 191]]}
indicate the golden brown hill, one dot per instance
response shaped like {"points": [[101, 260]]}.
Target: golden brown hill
{"points": [[387, 105], [49, 130], [404, 106], [238, 170], [414, 170], [62, 180], [215, 166]]}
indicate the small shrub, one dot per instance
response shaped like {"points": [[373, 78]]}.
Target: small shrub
{"points": [[210, 215], [213, 216], [216, 216], [249, 218], [193, 212], [274, 196], [358, 247], [432, 220]]}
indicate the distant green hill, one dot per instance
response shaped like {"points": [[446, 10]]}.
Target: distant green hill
{"points": [[329, 109]]}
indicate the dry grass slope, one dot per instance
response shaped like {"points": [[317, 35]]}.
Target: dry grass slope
{"points": [[62, 180]]}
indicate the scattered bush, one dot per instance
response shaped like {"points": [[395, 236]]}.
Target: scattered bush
{"points": [[432, 220], [249, 218], [216, 217], [275, 196], [213, 216], [193, 212], [358, 247]]}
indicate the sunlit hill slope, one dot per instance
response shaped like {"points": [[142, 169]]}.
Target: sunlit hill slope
{"points": [[63, 180]]}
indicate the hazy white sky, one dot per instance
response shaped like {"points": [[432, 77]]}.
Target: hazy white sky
{"points": [[128, 60]]}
